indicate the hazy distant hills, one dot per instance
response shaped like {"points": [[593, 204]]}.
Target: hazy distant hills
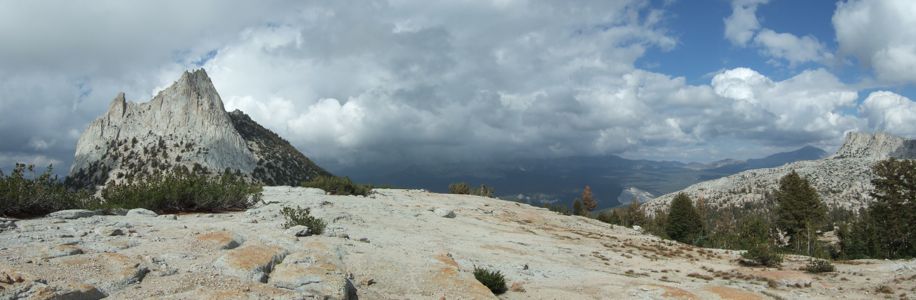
{"points": [[560, 180], [843, 180]]}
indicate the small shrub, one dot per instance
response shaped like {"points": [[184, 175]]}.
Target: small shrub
{"points": [[483, 191], [23, 194], [761, 255], [819, 266], [338, 186], [460, 188], [493, 280], [182, 190], [299, 216], [884, 289], [700, 276]]}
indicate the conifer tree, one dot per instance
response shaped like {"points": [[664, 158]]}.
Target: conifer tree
{"points": [[587, 200], [893, 213], [578, 208], [684, 223], [799, 210]]}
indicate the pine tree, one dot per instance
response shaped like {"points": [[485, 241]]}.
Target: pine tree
{"points": [[587, 200], [893, 213], [684, 223], [799, 210], [578, 208]]}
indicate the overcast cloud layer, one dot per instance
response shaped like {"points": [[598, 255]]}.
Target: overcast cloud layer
{"points": [[352, 82]]}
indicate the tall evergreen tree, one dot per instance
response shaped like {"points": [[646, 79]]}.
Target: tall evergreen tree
{"points": [[587, 200], [894, 212], [684, 224], [799, 210]]}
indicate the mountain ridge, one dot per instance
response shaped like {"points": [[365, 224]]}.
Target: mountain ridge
{"points": [[184, 125], [843, 180]]}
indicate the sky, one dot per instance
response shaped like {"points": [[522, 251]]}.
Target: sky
{"points": [[404, 82]]}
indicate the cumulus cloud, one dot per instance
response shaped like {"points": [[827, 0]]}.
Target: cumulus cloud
{"points": [[402, 82], [890, 112], [791, 48], [880, 35], [742, 28], [742, 24]]}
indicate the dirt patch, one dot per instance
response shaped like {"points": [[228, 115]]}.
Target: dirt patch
{"points": [[445, 259], [676, 293], [219, 239]]}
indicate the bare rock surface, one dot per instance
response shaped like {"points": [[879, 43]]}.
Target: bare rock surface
{"points": [[413, 254], [843, 180], [184, 125]]}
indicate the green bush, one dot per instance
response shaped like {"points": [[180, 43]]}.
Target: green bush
{"points": [[338, 185], [299, 216], [819, 266], [460, 188], [483, 191], [762, 255], [182, 190], [23, 194], [493, 280]]}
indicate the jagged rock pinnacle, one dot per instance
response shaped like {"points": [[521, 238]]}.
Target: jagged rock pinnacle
{"points": [[184, 125]]}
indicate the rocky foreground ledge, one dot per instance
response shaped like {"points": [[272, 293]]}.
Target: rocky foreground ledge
{"points": [[395, 244]]}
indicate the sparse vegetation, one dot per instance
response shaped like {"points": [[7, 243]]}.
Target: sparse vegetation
{"points": [[338, 186], [493, 280], [183, 190], [819, 266], [25, 194], [302, 216], [460, 188], [762, 254]]}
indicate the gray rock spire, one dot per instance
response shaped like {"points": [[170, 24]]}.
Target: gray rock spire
{"points": [[185, 125]]}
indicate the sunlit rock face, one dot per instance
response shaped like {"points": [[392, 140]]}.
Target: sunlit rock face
{"points": [[185, 125]]}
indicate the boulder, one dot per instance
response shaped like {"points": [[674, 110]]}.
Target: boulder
{"points": [[108, 231], [298, 230], [141, 212], [70, 214], [445, 213]]}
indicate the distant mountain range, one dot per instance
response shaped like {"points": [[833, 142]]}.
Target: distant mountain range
{"points": [[843, 179], [560, 180]]}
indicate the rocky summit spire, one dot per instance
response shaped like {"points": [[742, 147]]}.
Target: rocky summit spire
{"points": [[117, 108], [184, 125]]}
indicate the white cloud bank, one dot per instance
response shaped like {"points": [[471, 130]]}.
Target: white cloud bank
{"points": [[881, 35], [351, 82]]}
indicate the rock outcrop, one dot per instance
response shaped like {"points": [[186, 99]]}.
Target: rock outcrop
{"points": [[184, 125], [843, 180], [414, 253]]}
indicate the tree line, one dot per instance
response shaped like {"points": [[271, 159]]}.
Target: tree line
{"points": [[789, 220]]}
